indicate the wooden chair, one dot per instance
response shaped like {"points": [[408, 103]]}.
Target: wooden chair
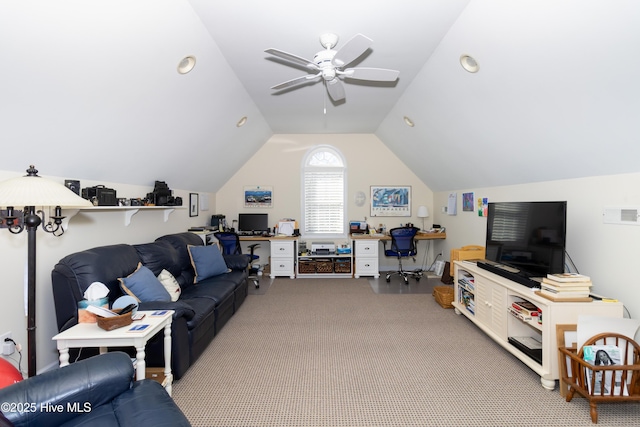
{"points": [[603, 383]]}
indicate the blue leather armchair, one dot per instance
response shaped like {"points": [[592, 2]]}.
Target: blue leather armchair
{"points": [[96, 392]]}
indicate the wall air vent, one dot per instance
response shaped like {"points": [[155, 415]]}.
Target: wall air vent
{"points": [[618, 215]]}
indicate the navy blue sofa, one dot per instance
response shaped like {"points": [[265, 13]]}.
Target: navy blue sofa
{"points": [[200, 312], [97, 392]]}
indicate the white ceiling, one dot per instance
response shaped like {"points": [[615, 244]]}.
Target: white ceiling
{"points": [[90, 89]]}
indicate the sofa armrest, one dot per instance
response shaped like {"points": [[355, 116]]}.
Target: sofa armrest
{"points": [[237, 262], [49, 398], [181, 309]]}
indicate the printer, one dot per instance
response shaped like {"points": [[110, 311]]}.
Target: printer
{"points": [[323, 248]]}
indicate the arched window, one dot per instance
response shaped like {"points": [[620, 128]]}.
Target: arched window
{"points": [[323, 193]]}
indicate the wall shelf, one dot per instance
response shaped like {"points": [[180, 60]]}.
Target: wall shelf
{"points": [[128, 211]]}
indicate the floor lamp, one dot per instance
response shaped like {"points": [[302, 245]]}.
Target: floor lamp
{"points": [[32, 192]]}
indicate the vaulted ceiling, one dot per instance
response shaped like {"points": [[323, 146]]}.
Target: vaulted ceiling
{"points": [[90, 88]]}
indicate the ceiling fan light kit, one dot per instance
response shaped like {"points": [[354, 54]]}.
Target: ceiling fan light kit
{"points": [[328, 65]]}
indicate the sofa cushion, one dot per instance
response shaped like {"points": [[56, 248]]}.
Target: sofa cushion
{"points": [[179, 242], [207, 262], [158, 256], [144, 286], [170, 284]]}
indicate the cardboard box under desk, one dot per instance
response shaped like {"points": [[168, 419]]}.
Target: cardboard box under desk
{"points": [[466, 252]]}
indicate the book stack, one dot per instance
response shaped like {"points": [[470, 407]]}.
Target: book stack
{"points": [[566, 286], [524, 310]]}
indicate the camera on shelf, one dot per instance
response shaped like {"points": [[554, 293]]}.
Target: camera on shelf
{"points": [[99, 195], [162, 196]]}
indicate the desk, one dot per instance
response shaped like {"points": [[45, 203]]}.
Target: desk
{"points": [[91, 335], [387, 238], [365, 251], [283, 252]]}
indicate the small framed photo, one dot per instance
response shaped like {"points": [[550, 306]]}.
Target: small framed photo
{"points": [[193, 204], [258, 196]]}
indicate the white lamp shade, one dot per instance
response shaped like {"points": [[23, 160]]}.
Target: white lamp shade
{"points": [[423, 212], [37, 191]]}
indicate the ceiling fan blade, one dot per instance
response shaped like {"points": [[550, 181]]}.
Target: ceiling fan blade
{"points": [[297, 81], [335, 89], [375, 74], [351, 50], [292, 58]]}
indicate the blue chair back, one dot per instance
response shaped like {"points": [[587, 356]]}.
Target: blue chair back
{"points": [[402, 241], [229, 242]]}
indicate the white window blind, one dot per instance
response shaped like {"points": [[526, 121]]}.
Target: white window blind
{"points": [[323, 198], [324, 202]]}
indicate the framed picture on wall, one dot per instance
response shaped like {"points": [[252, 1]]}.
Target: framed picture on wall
{"points": [[467, 202], [258, 196], [391, 200], [193, 204]]}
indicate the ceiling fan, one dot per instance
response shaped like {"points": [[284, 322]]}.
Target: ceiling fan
{"points": [[328, 65]]}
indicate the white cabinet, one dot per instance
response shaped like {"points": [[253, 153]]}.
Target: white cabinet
{"points": [[485, 298], [283, 257], [366, 257], [491, 301]]}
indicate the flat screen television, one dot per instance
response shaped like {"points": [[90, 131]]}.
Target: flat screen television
{"points": [[253, 222], [529, 237]]}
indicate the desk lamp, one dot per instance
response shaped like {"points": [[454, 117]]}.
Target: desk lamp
{"points": [[423, 213], [31, 192]]}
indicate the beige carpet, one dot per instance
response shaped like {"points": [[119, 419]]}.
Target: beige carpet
{"points": [[320, 352]]}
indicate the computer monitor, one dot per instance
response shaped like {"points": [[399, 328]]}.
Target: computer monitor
{"points": [[253, 222]]}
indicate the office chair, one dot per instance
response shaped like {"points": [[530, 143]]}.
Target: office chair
{"points": [[403, 245], [230, 244]]}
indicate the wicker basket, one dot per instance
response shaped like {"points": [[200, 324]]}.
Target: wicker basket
{"points": [[306, 266], [324, 266], [443, 296], [111, 323], [342, 266]]}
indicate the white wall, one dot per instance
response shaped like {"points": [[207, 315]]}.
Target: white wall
{"points": [[369, 162], [85, 230], [605, 252]]}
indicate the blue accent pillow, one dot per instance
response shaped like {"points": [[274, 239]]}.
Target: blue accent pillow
{"points": [[143, 285], [207, 261]]}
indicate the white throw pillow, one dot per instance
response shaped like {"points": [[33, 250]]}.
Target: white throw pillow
{"points": [[170, 284]]}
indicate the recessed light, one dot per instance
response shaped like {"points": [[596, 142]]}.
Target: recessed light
{"points": [[242, 121], [408, 121], [469, 63], [186, 64]]}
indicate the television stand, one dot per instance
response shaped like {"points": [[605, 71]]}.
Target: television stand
{"points": [[487, 299]]}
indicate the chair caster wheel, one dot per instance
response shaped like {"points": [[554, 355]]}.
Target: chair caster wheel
{"points": [[388, 279]]}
